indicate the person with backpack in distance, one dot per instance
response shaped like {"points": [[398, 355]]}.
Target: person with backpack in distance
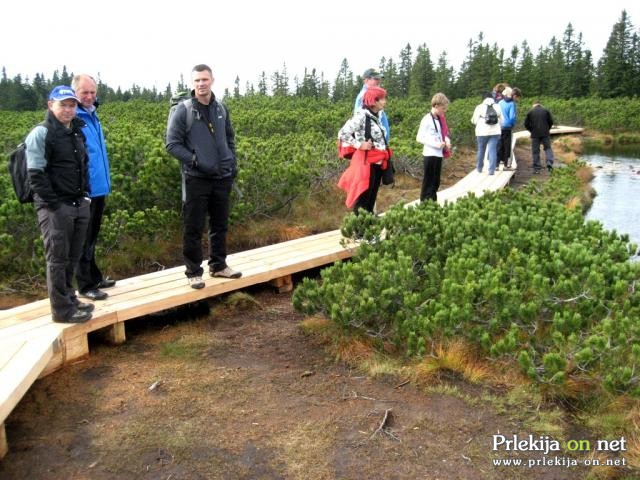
{"points": [[486, 117], [433, 133], [539, 122], [88, 276], [372, 78], [57, 169], [509, 118], [200, 135], [366, 133]]}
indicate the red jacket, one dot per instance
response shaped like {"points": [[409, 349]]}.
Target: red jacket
{"points": [[355, 178]]}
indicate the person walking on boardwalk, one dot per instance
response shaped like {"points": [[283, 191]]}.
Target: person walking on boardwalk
{"points": [[486, 117], [509, 111], [200, 135], [366, 134], [539, 122], [88, 275], [433, 133], [57, 169]]}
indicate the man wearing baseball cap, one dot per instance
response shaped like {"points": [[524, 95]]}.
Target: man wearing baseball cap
{"points": [[57, 166], [372, 78]]}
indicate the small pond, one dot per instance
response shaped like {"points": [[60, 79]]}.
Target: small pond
{"points": [[617, 183]]}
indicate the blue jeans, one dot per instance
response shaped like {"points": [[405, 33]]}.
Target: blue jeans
{"points": [[490, 141]]}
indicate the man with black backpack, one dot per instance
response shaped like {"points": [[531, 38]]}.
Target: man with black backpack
{"points": [[57, 169], [205, 146]]}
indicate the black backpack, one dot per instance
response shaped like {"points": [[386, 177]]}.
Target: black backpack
{"points": [[18, 171], [19, 176], [491, 116]]}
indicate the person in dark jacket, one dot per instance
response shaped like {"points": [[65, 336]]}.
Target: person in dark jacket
{"points": [[539, 122], [57, 167], [88, 275], [206, 149]]}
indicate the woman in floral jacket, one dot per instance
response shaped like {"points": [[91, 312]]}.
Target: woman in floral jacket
{"points": [[366, 134]]}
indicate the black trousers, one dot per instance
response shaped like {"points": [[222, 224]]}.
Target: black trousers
{"points": [[431, 178], [367, 200], [504, 148], [63, 231], [88, 275], [205, 196]]}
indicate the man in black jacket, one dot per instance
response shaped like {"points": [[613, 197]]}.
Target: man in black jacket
{"points": [[57, 166], [539, 122], [205, 145]]}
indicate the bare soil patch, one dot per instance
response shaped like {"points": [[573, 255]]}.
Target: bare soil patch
{"points": [[237, 394]]}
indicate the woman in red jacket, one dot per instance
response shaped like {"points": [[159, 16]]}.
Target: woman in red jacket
{"points": [[367, 135]]}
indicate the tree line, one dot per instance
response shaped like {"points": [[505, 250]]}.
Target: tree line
{"points": [[563, 69]]}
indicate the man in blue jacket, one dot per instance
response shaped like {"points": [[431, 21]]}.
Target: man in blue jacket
{"points": [[201, 137], [88, 275], [509, 118]]}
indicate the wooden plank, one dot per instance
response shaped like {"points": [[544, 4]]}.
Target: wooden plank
{"points": [[282, 284], [24, 366], [116, 333], [26, 311], [74, 346]]}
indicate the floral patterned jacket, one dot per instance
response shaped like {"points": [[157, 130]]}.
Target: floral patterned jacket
{"points": [[352, 132]]}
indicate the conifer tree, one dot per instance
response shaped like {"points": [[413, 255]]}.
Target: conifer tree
{"points": [[422, 75], [444, 77], [617, 73], [404, 71]]}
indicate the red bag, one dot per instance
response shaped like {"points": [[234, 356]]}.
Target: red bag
{"points": [[345, 150]]}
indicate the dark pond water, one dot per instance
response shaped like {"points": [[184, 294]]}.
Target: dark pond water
{"points": [[617, 182]]}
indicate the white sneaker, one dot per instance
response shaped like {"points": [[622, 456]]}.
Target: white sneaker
{"points": [[226, 272], [195, 282]]}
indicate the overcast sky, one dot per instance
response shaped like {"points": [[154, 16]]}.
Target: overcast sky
{"points": [[151, 43]]}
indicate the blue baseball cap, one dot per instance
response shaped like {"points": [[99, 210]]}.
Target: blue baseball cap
{"points": [[62, 92]]}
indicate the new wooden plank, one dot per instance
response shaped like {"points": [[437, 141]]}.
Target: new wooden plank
{"points": [[24, 366], [26, 311]]}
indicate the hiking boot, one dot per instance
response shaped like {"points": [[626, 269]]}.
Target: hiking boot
{"points": [[226, 272], [106, 282], [196, 282], [550, 168], [94, 294], [80, 316], [85, 307]]}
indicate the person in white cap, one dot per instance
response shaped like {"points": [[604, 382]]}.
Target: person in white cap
{"points": [[57, 167]]}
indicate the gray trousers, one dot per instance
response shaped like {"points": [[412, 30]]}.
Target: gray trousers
{"points": [[535, 151], [63, 231]]}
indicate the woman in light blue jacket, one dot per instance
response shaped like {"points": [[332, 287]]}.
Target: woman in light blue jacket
{"points": [[509, 119]]}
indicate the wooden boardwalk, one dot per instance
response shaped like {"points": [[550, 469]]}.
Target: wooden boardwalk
{"points": [[32, 345]]}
